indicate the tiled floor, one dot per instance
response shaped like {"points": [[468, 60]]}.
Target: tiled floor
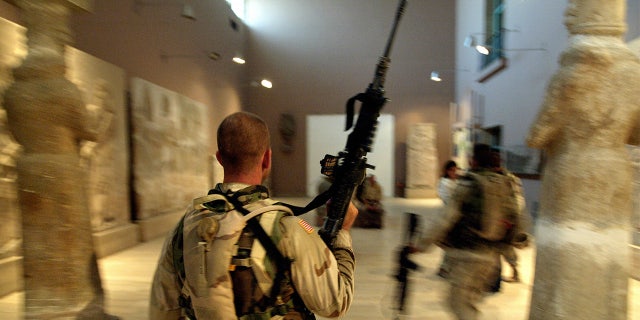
{"points": [[127, 274]]}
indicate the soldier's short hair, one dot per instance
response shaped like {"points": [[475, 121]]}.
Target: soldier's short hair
{"points": [[243, 137]]}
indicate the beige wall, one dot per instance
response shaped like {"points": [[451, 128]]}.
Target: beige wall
{"points": [[321, 53]]}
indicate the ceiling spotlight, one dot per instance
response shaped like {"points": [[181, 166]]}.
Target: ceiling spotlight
{"points": [[266, 83], [482, 49], [213, 55], [262, 83], [238, 59]]}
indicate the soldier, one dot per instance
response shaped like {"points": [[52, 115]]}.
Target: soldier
{"points": [[507, 250], [215, 267], [481, 212]]}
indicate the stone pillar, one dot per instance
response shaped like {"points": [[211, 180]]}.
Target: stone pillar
{"points": [[12, 51], [422, 161], [591, 110], [47, 116], [635, 221]]}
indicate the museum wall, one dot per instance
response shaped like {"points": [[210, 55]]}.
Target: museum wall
{"points": [[321, 53], [152, 41], [316, 62]]}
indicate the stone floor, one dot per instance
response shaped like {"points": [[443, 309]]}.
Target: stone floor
{"points": [[127, 274]]}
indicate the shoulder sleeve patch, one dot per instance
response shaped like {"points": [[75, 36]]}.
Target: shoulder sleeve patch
{"points": [[306, 226]]}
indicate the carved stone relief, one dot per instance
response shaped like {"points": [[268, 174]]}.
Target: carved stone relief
{"points": [[106, 160], [170, 141], [422, 161]]}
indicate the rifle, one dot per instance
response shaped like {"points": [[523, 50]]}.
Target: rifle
{"points": [[349, 167], [405, 264]]}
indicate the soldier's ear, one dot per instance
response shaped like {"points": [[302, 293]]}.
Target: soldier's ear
{"points": [[219, 158], [266, 159]]}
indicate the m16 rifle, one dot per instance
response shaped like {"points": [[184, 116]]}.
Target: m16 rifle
{"points": [[348, 169], [405, 264]]}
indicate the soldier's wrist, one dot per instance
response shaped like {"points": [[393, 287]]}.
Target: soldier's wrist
{"points": [[343, 240]]}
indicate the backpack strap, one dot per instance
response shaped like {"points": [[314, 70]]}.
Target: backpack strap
{"points": [[318, 201], [283, 264], [177, 246]]}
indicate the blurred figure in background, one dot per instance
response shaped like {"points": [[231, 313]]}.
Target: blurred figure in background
{"points": [[479, 217], [446, 185]]}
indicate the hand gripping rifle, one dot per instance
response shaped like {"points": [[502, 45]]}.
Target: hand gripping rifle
{"points": [[348, 168]]}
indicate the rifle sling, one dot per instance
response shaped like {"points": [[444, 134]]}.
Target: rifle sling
{"points": [[315, 203], [283, 263]]}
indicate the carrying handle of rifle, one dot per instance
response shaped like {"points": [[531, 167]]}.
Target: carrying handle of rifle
{"points": [[351, 105]]}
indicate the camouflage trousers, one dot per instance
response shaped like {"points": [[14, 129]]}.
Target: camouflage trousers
{"points": [[470, 272]]}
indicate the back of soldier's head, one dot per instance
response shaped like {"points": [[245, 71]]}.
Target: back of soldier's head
{"points": [[496, 159], [243, 138], [482, 155]]}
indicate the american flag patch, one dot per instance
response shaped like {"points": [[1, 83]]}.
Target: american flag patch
{"points": [[306, 226]]}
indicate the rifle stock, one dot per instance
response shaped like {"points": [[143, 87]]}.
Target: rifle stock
{"points": [[348, 169]]}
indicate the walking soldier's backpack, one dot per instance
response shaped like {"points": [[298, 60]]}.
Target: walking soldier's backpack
{"points": [[489, 209]]}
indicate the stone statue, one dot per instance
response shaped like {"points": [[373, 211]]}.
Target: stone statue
{"points": [[591, 110], [47, 117]]}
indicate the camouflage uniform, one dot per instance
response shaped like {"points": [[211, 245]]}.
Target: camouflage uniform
{"points": [[471, 232], [508, 250], [323, 279]]}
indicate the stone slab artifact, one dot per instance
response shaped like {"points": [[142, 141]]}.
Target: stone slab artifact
{"points": [[170, 152], [422, 161]]}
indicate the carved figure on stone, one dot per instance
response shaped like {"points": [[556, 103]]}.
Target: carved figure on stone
{"points": [[98, 157], [591, 110], [10, 239]]}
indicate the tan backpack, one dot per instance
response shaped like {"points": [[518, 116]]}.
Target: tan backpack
{"points": [[499, 206]]}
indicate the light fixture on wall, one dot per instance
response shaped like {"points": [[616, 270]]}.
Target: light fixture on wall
{"points": [[212, 55], [471, 42], [435, 75], [187, 12], [187, 9]]}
